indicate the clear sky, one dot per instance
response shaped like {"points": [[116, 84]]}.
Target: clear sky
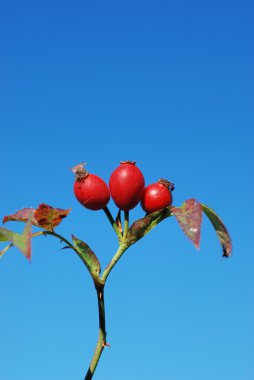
{"points": [[169, 85]]}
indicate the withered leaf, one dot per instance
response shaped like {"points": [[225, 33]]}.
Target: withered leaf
{"points": [[22, 216], [189, 217], [220, 230], [49, 217], [44, 216]]}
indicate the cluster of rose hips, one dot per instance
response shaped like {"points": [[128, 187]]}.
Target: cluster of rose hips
{"points": [[126, 187]]}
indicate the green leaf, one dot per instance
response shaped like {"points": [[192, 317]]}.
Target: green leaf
{"points": [[142, 226], [220, 229], [20, 241], [87, 256], [189, 217]]}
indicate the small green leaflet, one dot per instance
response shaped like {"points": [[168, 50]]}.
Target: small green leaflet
{"points": [[20, 241], [220, 229], [87, 256]]}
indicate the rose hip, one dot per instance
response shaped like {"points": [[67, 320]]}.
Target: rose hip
{"points": [[157, 196], [126, 185], [89, 189]]}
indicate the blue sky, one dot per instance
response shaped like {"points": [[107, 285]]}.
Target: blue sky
{"points": [[169, 85]]}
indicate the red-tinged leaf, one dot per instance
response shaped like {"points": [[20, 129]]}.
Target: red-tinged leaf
{"points": [[189, 216], [44, 216], [20, 241], [220, 229], [21, 216], [87, 256], [49, 217], [142, 226]]}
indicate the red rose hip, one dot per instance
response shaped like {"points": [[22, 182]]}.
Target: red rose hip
{"points": [[126, 185], [157, 196], [89, 189]]}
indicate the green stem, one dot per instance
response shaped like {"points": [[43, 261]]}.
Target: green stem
{"points": [[122, 248], [53, 233], [101, 343], [113, 223], [61, 238], [126, 224]]}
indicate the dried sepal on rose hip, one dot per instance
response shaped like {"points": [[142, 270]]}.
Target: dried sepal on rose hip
{"points": [[89, 189], [126, 185], [157, 196]]}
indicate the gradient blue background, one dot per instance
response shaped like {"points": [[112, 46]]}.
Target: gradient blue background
{"points": [[170, 85]]}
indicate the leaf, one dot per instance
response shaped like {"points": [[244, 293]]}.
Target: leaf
{"points": [[142, 226], [44, 216], [87, 256], [20, 241], [189, 216], [220, 229], [5, 235], [49, 217], [21, 216]]}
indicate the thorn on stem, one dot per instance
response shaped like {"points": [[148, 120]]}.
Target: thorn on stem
{"points": [[106, 344]]}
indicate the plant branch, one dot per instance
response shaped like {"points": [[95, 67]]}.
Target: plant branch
{"points": [[53, 233], [113, 223], [126, 224], [122, 248], [101, 343], [70, 245]]}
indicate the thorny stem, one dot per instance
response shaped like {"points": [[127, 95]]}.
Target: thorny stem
{"points": [[101, 343]]}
